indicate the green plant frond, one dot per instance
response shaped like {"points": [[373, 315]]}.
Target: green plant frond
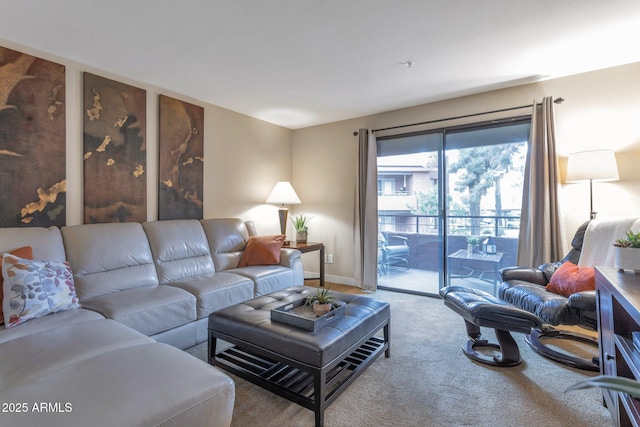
{"points": [[300, 222], [624, 385], [321, 297]]}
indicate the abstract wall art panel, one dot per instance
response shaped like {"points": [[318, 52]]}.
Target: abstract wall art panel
{"points": [[115, 151], [181, 159], [32, 141]]}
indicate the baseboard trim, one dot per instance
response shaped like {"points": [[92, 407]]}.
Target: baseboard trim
{"points": [[341, 280]]}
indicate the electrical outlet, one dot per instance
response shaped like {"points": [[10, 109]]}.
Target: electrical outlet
{"points": [[328, 259]]}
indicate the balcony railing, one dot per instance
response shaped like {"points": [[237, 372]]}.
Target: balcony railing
{"points": [[487, 225], [425, 239]]}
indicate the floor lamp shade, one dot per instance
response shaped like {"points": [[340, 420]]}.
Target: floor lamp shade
{"points": [[594, 165], [283, 194]]}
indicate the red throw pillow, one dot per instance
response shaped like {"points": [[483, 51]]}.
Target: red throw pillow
{"points": [[569, 279], [262, 250], [25, 252]]}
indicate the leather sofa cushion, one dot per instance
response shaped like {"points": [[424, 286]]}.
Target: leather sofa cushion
{"points": [[46, 242], [148, 310], [226, 261], [227, 237], [180, 249], [28, 358], [149, 384], [50, 321], [107, 258], [216, 291], [267, 278]]}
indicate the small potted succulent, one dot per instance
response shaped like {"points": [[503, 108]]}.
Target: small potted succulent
{"points": [[473, 244], [627, 252], [300, 223], [321, 302]]}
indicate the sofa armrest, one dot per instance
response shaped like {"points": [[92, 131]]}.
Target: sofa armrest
{"points": [[528, 274], [289, 256]]}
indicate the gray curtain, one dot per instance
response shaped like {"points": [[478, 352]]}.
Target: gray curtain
{"points": [[366, 213], [540, 239]]}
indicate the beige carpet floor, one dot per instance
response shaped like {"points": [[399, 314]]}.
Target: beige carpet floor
{"points": [[429, 382]]}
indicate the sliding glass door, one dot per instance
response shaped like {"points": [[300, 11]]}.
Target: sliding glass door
{"points": [[410, 233], [441, 192]]}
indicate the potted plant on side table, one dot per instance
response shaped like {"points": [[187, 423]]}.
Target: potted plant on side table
{"points": [[627, 252], [322, 302], [300, 223], [473, 244]]}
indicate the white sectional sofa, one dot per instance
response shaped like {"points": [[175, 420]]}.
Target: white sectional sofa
{"points": [[141, 287]]}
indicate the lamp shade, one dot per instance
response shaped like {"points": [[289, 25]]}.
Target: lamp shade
{"points": [[596, 165], [283, 193]]}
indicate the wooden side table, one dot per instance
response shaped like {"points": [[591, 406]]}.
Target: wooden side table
{"points": [[310, 247]]}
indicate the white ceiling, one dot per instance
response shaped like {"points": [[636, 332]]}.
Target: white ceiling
{"points": [[298, 63]]}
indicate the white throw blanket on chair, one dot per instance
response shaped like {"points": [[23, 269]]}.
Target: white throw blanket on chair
{"points": [[597, 247]]}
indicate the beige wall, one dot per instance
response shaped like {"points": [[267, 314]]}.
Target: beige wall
{"points": [[244, 157], [601, 110]]}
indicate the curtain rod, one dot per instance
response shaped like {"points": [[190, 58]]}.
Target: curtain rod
{"points": [[555, 101]]}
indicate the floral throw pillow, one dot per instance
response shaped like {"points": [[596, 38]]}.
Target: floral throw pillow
{"points": [[23, 252], [33, 289]]}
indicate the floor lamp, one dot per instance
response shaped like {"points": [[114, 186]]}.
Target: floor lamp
{"points": [[283, 194], [594, 165]]}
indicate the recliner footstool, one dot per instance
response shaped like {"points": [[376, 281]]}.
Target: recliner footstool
{"points": [[481, 309]]}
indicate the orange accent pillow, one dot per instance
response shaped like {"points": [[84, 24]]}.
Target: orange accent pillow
{"points": [[262, 250], [569, 279], [23, 252]]}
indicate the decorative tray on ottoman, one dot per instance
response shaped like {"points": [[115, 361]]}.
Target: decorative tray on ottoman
{"points": [[300, 315]]}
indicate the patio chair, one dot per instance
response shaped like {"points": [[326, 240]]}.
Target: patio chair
{"points": [[395, 250], [382, 261]]}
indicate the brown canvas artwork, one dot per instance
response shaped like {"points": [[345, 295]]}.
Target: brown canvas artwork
{"points": [[115, 150], [32, 141], [181, 159]]}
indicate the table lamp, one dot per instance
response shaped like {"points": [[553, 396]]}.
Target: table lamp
{"points": [[283, 194], [594, 165]]}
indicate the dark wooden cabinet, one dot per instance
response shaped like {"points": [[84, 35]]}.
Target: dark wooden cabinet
{"points": [[618, 317]]}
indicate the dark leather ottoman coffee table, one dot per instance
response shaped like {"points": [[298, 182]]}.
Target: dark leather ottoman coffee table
{"points": [[309, 368]]}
